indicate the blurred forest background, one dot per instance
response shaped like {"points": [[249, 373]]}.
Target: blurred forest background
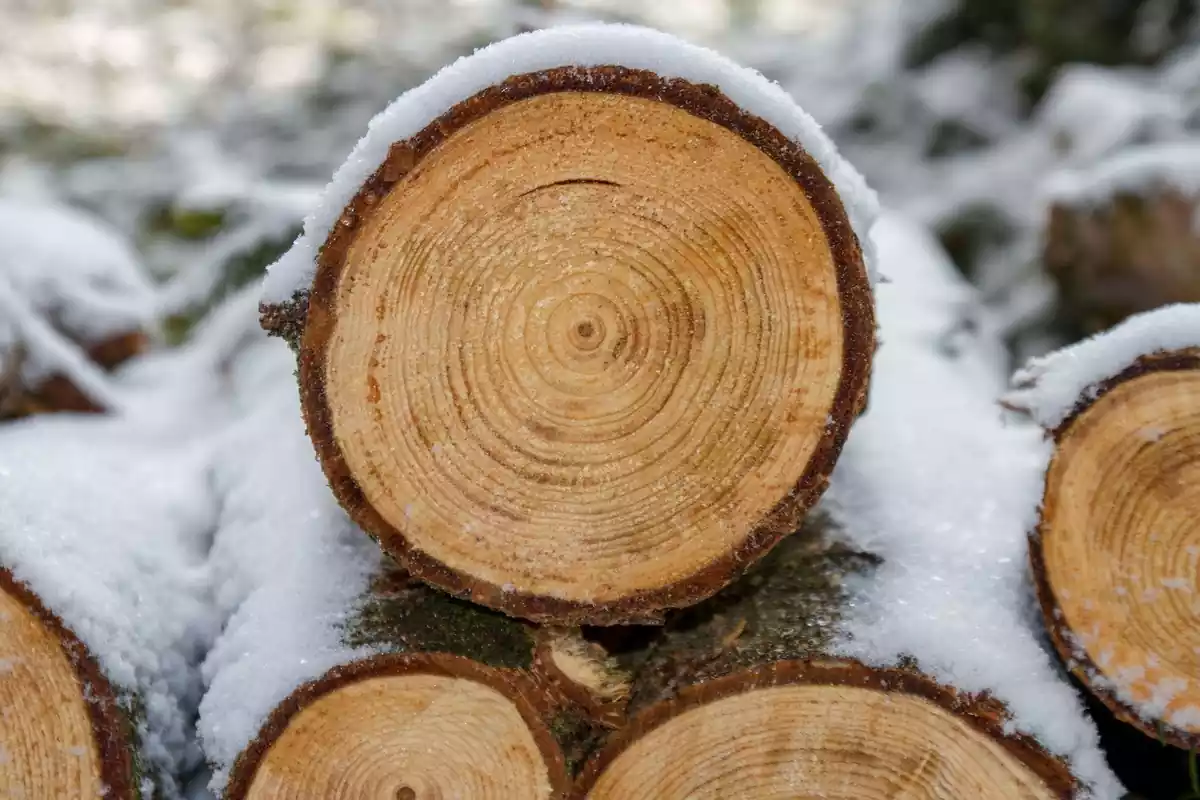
{"points": [[202, 129], [1052, 146]]}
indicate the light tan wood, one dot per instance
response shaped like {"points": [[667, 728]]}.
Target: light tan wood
{"points": [[1121, 540], [585, 346], [416, 737], [586, 665], [47, 749], [817, 741]]}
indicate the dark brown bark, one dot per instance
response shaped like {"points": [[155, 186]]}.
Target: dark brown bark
{"points": [[111, 729], [1129, 255], [314, 311], [57, 392]]}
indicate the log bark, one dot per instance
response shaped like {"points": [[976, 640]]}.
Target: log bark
{"points": [[20, 398], [1115, 553], [62, 733], [741, 697], [554, 368], [1129, 255], [505, 709]]}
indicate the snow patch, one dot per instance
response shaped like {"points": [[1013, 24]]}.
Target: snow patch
{"points": [[111, 534], [1049, 388], [570, 45], [289, 567], [935, 483]]}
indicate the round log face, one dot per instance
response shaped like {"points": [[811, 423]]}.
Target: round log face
{"points": [[48, 741], [403, 727], [589, 347], [1118, 556], [807, 730]]}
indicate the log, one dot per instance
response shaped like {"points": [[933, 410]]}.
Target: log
{"points": [[62, 733], [1120, 239], [459, 702], [59, 392], [588, 341], [744, 696], [338, 674], [1116, 549]]}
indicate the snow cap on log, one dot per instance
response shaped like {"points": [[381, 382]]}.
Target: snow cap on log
{"points": [[1051, 388], [587, 45], [935, 484], [1145, 170]]}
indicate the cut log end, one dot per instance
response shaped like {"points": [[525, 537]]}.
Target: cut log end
{"points": [[61, 733], [1116, 555], [413, 727], [587, 345], [828, 729]]}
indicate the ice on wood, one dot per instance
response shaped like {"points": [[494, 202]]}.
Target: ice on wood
{"points": [[288, 564], [577, 45], [1050, 388], [112, 536], [935, 483]]}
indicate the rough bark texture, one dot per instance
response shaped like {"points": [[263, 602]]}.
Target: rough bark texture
{"points": [[420, 630], [314, 312], [773, 628], [58, 393], [1080, 664], [1133, 254], [113, 733]]}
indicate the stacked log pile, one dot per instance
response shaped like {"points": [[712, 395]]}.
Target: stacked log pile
{"points": [[584, 330]]}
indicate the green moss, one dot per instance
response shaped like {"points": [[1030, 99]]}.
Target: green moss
{"points": [[577, 736], [185, 223], [415, 618]]}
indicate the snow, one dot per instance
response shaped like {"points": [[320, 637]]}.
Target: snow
{"points": [[933, 482], [1049, 388], [70, 263], [58, 264], [288, 563], [579, 45], [1136, 170], [112, 535]]}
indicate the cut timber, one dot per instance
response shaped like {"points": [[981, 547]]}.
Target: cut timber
{"points": [[1121, 237], [404, 726], [586, 346], [1132, 254], [1117, 553], [740, 698], [466, 703], [62, 734]]}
